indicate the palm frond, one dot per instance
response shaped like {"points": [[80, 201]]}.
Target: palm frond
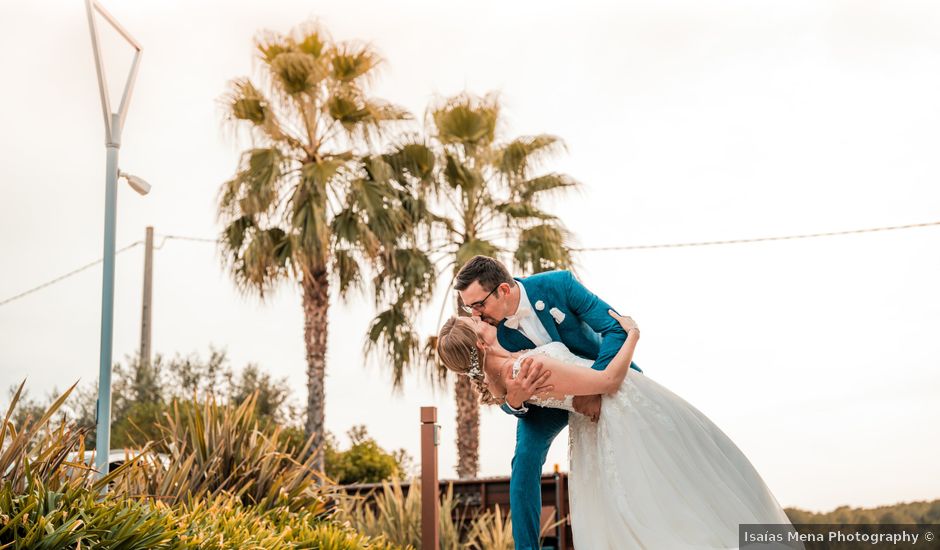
{"points": [[297, 72], [383, 111], [311, 232], [255, 187], [311, 39], [318, 176], [419, 215], [347, 109], [309, 209], [260, 179], [543, 248], [346, 231], [271, 44], [248, 103], [518, 157], [517, 211], [415, 275], [350, 62], [460, 176], [474, 247], [413, 159], [373, 204], [347, 270], [407, 276], [245, 102], [467, 120], [264, 260], [233, 236], [363, 118], [393, 337], [544, 185], [407, 280], [438, 374]]}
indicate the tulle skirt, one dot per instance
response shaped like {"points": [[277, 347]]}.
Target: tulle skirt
{"points": [[656, 473]]}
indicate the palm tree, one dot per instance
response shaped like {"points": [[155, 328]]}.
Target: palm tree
{"points": [[491, 195], [308, 203]]}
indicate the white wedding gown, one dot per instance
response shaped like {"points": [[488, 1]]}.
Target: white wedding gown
{"points": [[654, 472]]}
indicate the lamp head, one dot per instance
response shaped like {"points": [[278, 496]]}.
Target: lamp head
{"points": [[136, 183]]}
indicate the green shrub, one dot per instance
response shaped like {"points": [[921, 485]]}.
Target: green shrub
{"points": [[219, 482], [902, 512], [365, 461], [79, 516], [212, 449], [46, 501], [224, 522]]}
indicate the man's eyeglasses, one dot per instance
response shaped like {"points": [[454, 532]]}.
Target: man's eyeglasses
{"points": [[470, 308]]}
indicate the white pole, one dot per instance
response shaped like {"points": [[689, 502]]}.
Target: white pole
{"points": [[113, 124], [103, 433]]}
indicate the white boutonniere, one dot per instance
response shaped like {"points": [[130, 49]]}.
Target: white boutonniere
{"points": [[557, 314], [540, 305]]}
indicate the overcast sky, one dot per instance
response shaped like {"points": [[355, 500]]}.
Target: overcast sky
{"points": [[685, 121]]}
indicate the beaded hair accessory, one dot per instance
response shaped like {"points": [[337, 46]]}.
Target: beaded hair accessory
{"points": [[474, 373]]}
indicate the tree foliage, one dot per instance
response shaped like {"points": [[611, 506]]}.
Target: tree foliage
{"points": [[364, 461]]}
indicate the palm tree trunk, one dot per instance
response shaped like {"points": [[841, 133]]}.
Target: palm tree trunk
{"points": [[468, 428], [468, 420], [316, 302]]}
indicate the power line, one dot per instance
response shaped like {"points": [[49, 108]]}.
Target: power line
{"points": [[756, 240], [67, 275], [98, 261], [184, 238], [687, 244], [587, 249]]}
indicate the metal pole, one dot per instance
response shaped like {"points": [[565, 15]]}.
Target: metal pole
{"points": [[147, 309], [113, 125], [430, 489], [103, 434]]}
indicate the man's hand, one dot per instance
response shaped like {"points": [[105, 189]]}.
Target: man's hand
{"points": [[531, 380], [588, 405]]}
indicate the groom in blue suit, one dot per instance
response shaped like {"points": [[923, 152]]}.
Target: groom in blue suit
{"points": [[529, 312]]}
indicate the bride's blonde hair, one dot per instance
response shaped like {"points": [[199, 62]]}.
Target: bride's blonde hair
{"points": [[457, 349]]}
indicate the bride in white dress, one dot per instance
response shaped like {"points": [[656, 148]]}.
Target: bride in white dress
{"points": [[653, 472]]}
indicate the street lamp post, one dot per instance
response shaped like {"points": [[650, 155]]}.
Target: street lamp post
{"points": [[113, 124]]}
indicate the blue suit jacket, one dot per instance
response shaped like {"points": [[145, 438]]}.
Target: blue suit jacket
{"points": [[587, 329]]}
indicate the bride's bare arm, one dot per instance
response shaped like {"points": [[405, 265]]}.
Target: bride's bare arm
{"points": [[574, 380]]}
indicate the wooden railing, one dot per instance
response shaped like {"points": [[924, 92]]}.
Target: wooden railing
{"points": [[473, 497]]}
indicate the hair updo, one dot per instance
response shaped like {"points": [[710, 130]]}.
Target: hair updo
{"points": [[457, 348]]}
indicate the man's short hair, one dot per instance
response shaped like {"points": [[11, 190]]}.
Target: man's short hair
{"points": [[489, 272]]}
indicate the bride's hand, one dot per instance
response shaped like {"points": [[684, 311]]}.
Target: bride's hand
{"points": [[625, 321], [530, 380]]}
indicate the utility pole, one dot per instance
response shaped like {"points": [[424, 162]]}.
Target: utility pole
{"points": [[146, 316]]}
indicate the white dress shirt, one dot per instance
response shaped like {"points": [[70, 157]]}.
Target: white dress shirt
{"points": [[527, 321]]}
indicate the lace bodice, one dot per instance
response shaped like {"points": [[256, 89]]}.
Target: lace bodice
{"points": [[559, 351]]}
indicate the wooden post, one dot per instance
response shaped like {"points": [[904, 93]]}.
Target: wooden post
{"points": [[147, 309], [561, 510], [430, 490]]}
